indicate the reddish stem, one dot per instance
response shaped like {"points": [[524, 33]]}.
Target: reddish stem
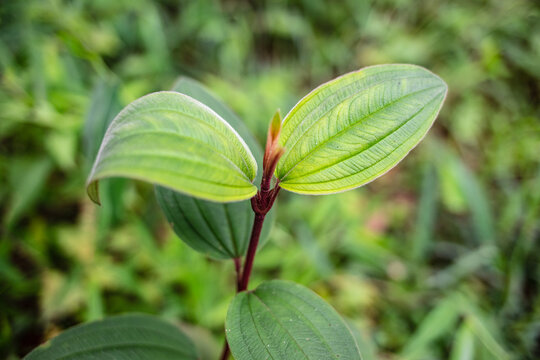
{"points": [[261, 204], [226, 351], [252, 249]]}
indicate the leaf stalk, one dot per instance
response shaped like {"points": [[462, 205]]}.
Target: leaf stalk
{"points": [[261, 204]]}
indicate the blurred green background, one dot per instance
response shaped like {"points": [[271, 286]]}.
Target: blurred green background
{"points": [[438, 259]]}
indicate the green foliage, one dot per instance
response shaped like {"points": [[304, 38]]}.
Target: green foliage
{"points": [[283, 320], [119, 337], [220, 230], [267, 320], [173, 140], [34, 175], [181, 136], [355, 128], [376, 253]]}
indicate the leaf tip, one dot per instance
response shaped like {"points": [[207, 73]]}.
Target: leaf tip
{"points": [[275, 125]]}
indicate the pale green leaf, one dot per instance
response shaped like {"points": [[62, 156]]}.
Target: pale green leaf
{"points": [[463, 347], [488, 339], [173, 140], [220, 230], [133, 336], [27, 179], [353, 129], [440, 321], [283, 320]]}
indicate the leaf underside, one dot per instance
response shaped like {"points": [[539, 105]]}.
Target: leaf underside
{"points": [[283, 320], [173, 140], [134, 336], [219, 230], [353, 129]]}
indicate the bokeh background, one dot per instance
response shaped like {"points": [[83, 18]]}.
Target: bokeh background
{"points": [[438, 259]]}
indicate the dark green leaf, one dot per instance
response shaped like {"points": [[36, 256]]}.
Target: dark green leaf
{"points": [[128, 337], [283, 320]]}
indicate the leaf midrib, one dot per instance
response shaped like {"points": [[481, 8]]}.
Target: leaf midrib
{"points": [[359, 122], [289, 116], [330, 308], [211, 227], [330, 83], [181, 174], [277, 321], [355, 174], [198, 120], [193, 139], [307, 320]]}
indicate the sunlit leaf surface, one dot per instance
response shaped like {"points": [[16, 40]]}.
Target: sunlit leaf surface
{"points": [[355, 128], [173, 140], [220, 230]]}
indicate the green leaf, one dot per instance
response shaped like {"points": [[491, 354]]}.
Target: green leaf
{"points": [[133, 336], [283, 320], [27, 179], [437, 323], [353, 129], [463, 346], [488, 339], [198, 91], [173, 140], [220, 230], [426, 216]]}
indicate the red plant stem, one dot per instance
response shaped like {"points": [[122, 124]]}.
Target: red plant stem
{"points": [[226, 351], [252, 249], [261, 204], [242, 280]]}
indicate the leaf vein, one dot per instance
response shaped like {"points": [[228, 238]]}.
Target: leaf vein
{"points": [[269, 310], [370, 145]]}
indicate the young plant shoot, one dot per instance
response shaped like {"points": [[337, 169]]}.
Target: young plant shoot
{"points": [[217, 188]]}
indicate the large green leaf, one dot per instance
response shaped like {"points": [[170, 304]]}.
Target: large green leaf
{"points": [[220, 230], [283, 320], [355, 128], [173, 140], [128, 337]]}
